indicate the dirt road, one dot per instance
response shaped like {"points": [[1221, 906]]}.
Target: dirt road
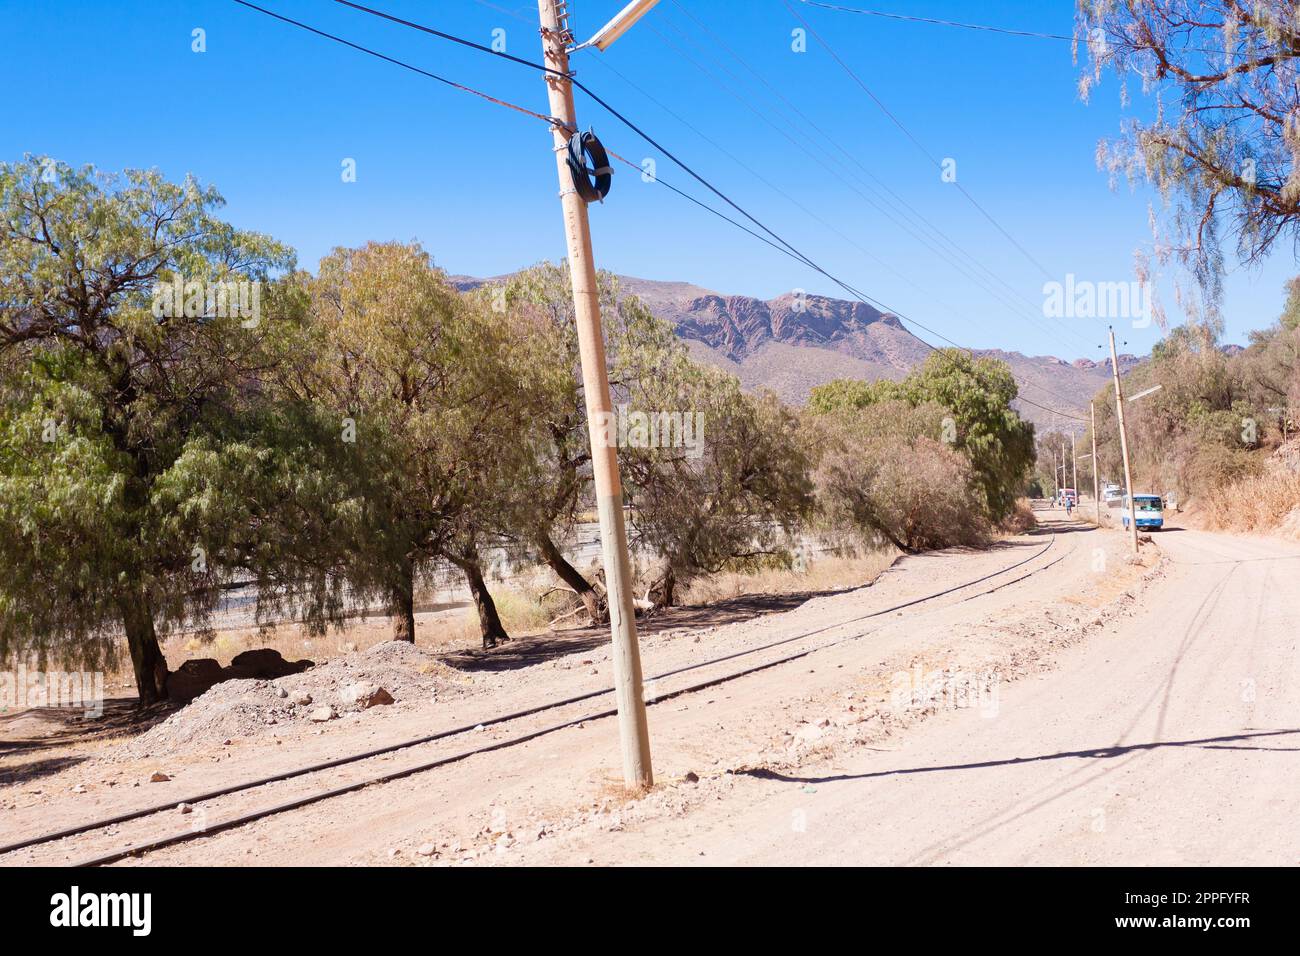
{"points": [[1174, 739], [1067, 707]]}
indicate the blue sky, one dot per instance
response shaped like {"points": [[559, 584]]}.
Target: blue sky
{"points": [[269, 113]]}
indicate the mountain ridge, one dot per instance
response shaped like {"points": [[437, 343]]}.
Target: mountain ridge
{"points": [[797, 341]]}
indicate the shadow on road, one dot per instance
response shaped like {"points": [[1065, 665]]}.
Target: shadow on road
{"points": [[1100, 753], [40, 728], [526, 651], [34, 770], [1060, 527]]}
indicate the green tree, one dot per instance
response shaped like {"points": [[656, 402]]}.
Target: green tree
{"points": [[884, 476], [1188, 436], [539, 301], [977, 394], [428, 454], [845, 393], [110, 389], [998, 442], [733, 491]]}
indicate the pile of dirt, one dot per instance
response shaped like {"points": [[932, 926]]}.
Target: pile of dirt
{"points": [[387, 674]]}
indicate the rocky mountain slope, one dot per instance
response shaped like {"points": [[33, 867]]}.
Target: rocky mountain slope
{"points": [[791, 344]]}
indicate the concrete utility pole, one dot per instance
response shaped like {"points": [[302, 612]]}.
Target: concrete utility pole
{"points": [[634, 733], [1096, 473], [1123, 446]]}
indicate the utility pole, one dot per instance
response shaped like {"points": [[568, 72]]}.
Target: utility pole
{"points": [[1123, 446], [1074, 466], [1096, 479], [634, 733]]}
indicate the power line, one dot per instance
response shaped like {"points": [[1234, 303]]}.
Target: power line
{"points": [[739, 225], [703, 205], [482, 48], [789, 250], [918, 235], [753, 172], [1006, 31], [614, 112], [939, 251], [577, 83], [938, 22], [944, 241], [911, 136], [784, 245], [396, 62], [781, 192], [866, 299]]}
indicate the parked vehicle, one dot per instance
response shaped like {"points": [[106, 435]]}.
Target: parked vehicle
{"points": [[1112, 495], [1148, 510]]}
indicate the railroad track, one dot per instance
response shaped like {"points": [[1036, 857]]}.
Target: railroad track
{"points": [[653, 681]]}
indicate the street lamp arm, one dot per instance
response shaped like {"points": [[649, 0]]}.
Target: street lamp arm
{"points": [[615, 28]]}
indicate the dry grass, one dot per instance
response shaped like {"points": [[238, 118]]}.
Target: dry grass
{"points": [[826, 573], [527, 604], [521, 603], [1021, 518], [1268, 503], [609, 789]]}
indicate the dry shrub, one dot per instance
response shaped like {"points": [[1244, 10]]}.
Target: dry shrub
{"points": [[1021, 518], [915, 495], [1212, 465], [1268, 503]]}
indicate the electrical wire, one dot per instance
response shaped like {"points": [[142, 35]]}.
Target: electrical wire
{"points": [[821, 161], [919, 235], [938, 22], [779, 242], [916, 142], [1031, 313], [1006, 31], [767, 182], [942, 236], [452, 37], [403, 64]]}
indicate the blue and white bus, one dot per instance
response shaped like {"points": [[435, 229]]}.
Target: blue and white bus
{"points": [[1148, 510]]}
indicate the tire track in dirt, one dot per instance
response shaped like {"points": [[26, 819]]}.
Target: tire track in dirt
{"points": [[305, 800]]}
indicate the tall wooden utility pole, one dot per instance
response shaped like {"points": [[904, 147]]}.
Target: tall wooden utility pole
{"points": [[1074, 467], [1123, 446], [1096, 479], [634, 734]]}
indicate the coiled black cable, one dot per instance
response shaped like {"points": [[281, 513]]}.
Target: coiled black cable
{"points": [[592, 182]]}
